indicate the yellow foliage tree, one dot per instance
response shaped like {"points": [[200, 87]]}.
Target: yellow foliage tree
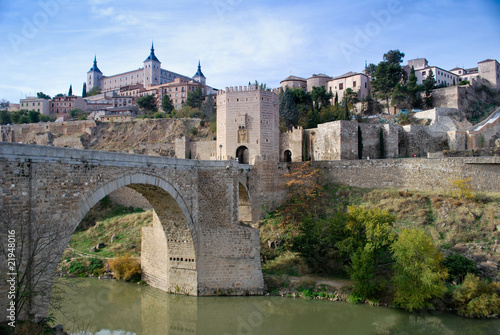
{"points": [[302, 188], [462, 188]]}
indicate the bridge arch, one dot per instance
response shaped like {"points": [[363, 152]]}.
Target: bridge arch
{"points": [[171, 263]]}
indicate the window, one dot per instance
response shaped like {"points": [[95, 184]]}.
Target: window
{"points": [[341, 86], [365, 85], [423, 73], [354, 84]]}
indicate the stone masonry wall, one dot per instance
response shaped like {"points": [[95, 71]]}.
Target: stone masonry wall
{"points": [[128, 197], [26, 133], [414, 173], [195, 201], [293, 141]]}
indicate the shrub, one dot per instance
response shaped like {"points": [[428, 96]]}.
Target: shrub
{"points": [[459, 266], [462, 188], [477, 298], [125, 267], [77, 268], [159, 115], [96, 265], [418, 274], [213, 127]]}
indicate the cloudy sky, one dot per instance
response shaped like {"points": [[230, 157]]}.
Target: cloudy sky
{"points": [[46, 45]]}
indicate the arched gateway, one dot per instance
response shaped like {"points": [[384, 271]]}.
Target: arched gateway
{"points": [[196, 245]]}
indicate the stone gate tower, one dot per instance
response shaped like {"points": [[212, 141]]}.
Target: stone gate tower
{"points": [[247, 124]]}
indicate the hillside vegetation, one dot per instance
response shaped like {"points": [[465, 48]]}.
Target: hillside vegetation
{"points": [[411, 249]]}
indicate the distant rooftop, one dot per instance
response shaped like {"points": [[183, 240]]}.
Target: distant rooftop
{"points": [[346, 75], [291, 78]]}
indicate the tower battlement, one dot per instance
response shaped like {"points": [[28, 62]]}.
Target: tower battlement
{"points": [[247, 123], [249, 88]]}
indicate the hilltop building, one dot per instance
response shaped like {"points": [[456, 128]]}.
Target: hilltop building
{"points": [[488, 69], [358, 82], [37, 104], [62, 104], [151, 79]]}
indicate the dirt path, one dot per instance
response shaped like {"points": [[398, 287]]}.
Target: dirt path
{"points": [[336, 284]]}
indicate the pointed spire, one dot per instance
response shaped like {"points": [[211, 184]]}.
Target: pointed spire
{"points": [[94, 67], [152, 54], [199, 73]]}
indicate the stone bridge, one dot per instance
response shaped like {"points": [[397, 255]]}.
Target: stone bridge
{"points": [[197, 245]]}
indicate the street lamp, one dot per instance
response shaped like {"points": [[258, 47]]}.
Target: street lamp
{"points": [[220, 151]]}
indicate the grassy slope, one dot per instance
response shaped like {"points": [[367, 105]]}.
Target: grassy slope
{"points": [[126, 227], [469, 226]]}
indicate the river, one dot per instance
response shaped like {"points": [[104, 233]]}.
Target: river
{"points": [[110, 307]]}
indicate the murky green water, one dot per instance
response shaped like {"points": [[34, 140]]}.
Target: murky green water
{"points": [[118, 308]]}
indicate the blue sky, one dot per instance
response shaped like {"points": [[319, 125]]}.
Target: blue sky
{"points": [[47, 45]]}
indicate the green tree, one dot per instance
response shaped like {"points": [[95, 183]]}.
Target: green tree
{"points": [[362, 271], [33, 116], [320, 97], [166, 104], [76, 113], [42, 95], [387, 75], [70, 91], [399, 96], [413, 89], [4, 117], [4, 103], [46, 118], [208, 108], [94, 91], [288, 111], [15, 116], [429, 83], [459, 266], [24, 119], [316, 241], [84, 90], [195, 98], [369, 234], [370, 70], [419, 274], [147, 104]]}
